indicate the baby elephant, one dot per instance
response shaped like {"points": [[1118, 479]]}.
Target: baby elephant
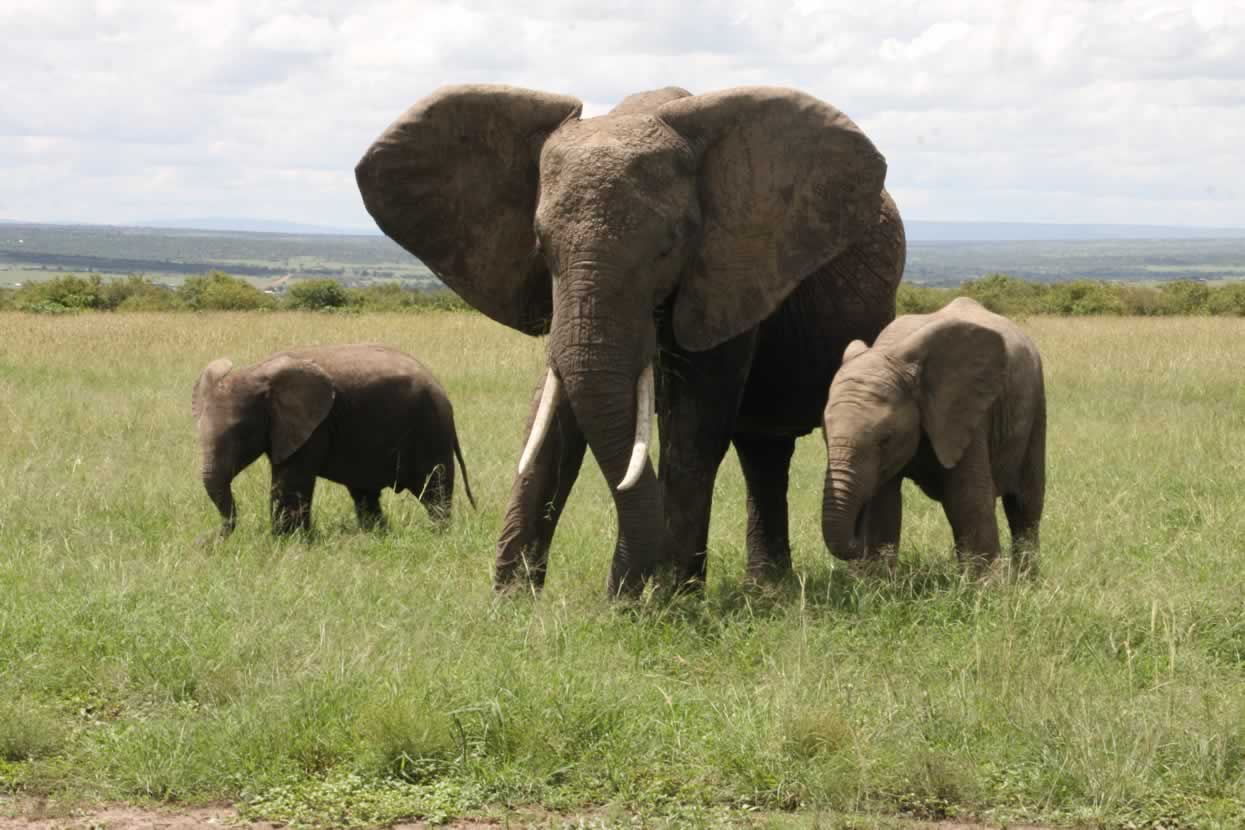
{"points": [[953, 400], [365, 416]]}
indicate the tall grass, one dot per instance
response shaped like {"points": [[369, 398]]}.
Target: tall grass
{"points": [[353, 678]]}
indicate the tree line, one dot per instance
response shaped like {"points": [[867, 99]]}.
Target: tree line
{"points": [[217, 291]]}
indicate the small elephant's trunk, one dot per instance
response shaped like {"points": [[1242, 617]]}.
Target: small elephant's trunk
{"points": [[842, 515], [220, 490]]}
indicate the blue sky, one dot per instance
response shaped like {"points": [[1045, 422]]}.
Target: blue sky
{"points": [[1013, 110]]}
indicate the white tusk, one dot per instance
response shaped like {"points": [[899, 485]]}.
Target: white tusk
{"points": [[644, 404], [550, 397]]}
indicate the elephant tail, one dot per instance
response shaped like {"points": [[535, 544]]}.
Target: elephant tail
{"points": [[462, 465]]}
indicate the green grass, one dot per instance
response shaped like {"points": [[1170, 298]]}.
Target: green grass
{"points": [[355, 678]]}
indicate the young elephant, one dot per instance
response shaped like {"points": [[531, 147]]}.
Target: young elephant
{"points": [[953, 400], [365, 416]]}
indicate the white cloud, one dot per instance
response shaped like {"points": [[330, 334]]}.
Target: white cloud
{"points": [[1054, 110]]}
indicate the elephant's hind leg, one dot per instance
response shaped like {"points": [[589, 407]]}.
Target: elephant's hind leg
{"points": [[765, 462], [1024, 507], [367, 508]]}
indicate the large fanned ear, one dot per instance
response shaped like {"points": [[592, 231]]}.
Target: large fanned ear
{"points": [[454, 181], [207, 381], [787, 182], [960, 368], [300, 396]]}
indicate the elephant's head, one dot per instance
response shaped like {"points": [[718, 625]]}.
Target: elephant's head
{"points": [[937, 382], [719, 203], [272, 407]]}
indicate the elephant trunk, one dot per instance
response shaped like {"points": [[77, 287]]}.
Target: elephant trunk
{"points": [[602, 363], [843, 512], [219, 486]]}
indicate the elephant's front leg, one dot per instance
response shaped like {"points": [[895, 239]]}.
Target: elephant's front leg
{"points": [[367, 508], [698, 395], [291, 496], [536, 501], [884, 522], [766, 462], [968, 500]]}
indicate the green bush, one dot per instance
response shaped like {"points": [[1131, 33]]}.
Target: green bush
{"points": [[316, 295], [1143, 300], [1187, 297], [1227, 299], [61, 294], [1006, 295], [921, 299], [390, 296], [217, 291], [1082, 297]]}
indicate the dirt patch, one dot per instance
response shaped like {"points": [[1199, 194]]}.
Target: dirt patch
{"points": [[46, 816]]}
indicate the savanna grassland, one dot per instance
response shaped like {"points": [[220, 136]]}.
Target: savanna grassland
{"points": [[352, 678]]}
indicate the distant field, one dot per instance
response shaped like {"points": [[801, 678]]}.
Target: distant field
{"points": [[42, 251], [355, 678]]}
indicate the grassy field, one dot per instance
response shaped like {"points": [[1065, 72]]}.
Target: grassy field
{"points": [[355, 678]]}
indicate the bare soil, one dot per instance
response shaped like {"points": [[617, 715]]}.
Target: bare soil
{"points": [[38, 815]]}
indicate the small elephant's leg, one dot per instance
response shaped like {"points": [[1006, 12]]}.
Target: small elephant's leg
{"points": [[698, 397], [536, 501], [884, 522], [367, 508], [968, 500], [436, 493], [294, 484], [291, 496], [765, 462]]}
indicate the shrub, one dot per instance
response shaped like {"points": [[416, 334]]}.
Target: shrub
{"points": [[921, 299], [1227, 299], [61, 294], [1187, 296], [315, 295], [1081, 297], [1143, 300], [391, 296], [1004, 294], [138, 293], [217, 291]]}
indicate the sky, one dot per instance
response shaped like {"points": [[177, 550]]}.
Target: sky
{"points": [[119, 111]]}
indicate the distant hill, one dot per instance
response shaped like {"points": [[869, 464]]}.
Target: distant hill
{"points": [[926, 231], [244, 225]]}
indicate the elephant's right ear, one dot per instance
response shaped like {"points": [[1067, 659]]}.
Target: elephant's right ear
{"points": [[455, 181], [207, 381], [300, 396]]}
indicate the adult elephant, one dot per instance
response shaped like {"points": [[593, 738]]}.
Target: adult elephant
{"points": [[709, 256]]}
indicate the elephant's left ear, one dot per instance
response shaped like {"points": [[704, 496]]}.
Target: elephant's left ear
{"points": [[300, 396], [787, 183]]}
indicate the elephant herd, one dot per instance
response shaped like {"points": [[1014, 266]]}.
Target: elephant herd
{"points": [[727, 263]]}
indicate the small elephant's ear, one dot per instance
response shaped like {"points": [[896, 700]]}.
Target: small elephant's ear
{"points": [[454, 181], [787, 183], [960, 367], [207, 381], [854, 349], [300, 396]]}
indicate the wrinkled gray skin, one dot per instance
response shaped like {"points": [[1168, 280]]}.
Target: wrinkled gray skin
{"points": [[736, 240], [365, 416], [954, 401]]}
